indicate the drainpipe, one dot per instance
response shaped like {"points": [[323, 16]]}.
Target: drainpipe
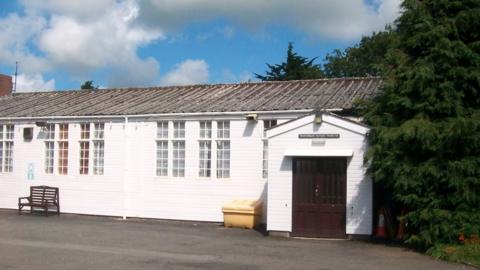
{"points": [[126, 149]]}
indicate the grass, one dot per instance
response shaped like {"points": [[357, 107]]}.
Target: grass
{"points": [[462, 253]]}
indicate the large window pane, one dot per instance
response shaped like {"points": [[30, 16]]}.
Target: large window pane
{"points": [[178, 169]]}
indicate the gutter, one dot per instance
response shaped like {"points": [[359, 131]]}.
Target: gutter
{"points": [[159, 115]]}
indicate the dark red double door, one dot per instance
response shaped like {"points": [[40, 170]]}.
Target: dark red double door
{"points": [[319, 197]]}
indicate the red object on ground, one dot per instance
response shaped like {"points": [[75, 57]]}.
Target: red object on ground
{"points": [[380, 233]]}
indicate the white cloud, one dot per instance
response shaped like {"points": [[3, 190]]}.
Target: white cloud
{"points": [[226, 32], [227, 76], [345, 20], [17, 32], [81, 38], [84, 9], [187, 72], [34, 83], [111, 41], [134, 72], [84, 37]]}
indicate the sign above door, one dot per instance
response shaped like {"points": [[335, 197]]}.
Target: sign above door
{"points": [[319, 136]]}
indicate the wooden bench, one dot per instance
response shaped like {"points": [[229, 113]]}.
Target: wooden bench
{"points": [[43, 197]]}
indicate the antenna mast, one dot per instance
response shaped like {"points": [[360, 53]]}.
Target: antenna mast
{"points": [[16, 72]]}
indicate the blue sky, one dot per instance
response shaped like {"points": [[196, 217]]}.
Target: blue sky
{"points": [[124, 43]]}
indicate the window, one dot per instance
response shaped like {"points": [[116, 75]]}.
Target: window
{"points": [[162, 130], [205, 149], [63, 149], [269, 123], [178, 169], [178, 143], [162, 148], [84, 147], [265, 159], [205, 129], [49, 148], [223, 130], [86, 141], [178, 129], [98, 148], [6, 148], [223, 149]]}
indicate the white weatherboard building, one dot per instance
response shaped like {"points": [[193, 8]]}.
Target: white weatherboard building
{"points": [[182, 152]]}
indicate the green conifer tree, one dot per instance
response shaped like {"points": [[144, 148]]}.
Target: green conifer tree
{"points": [[361, 60], [425, 137], [295, 67]]}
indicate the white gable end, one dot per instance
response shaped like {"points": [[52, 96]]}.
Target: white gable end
{"points": [[332, 137]]}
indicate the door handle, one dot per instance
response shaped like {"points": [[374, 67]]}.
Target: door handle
{"points": [[316, 190]]}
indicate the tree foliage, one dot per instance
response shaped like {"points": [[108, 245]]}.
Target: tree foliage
{"points": [[425, 136], [88, 85], [361, 60], [295, 67]]}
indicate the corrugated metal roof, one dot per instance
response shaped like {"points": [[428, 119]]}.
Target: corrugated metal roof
{"points": [[262, 96]]}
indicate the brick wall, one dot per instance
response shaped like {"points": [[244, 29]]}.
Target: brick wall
{"points": [[5, 85]]}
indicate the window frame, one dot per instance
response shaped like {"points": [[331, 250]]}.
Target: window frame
{"points": [[269, 123], [49, 153], [7, 144], [178, 151], [92, 149], [205, 149], [98, 142], [162, 138], [223, 149], [265, 159], [63, 149], [84, 147]]}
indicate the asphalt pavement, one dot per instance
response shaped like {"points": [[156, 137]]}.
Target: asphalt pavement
{"points": [[90, 242]]}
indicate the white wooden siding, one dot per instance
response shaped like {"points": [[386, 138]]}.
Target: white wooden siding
{"points": [[129, 186], [359, 186]]}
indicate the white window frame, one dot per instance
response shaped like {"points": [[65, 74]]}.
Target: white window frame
{"points": [[49, 154], [93, 161], [62, 168], [178, 149], [265, 159], [205, 149], [269, 123], [223, 150], [84, 148], [7, 136], [162, 153], [98, 141]]}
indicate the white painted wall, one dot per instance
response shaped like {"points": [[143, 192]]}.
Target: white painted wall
{"points": [[193, 197], [129, 186], [86, 194], [359, 186]]}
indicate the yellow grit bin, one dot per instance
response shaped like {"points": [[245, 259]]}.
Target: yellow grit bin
{"points": [[242, 213]]}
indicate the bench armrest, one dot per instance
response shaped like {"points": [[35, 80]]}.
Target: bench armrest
{"points": [[23, 198]]}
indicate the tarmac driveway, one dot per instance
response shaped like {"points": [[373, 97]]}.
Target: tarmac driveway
{"points": [[85, 242]]}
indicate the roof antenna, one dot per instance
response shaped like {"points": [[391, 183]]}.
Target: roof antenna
{"points": [[16, 73]]}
